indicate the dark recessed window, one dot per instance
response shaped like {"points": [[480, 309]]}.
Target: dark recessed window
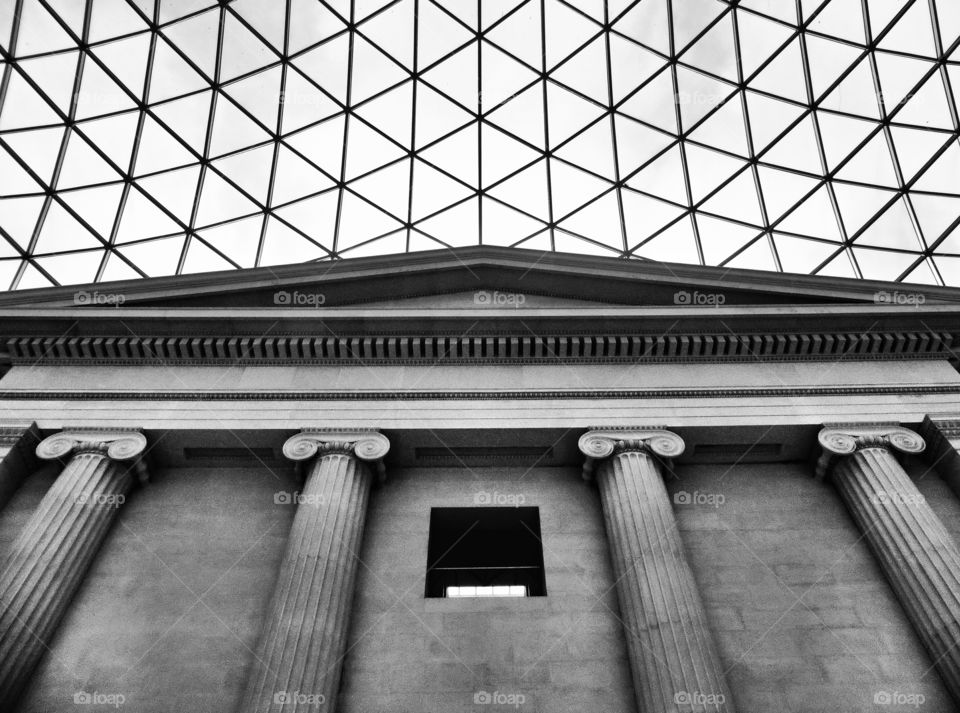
{"points": [[485, 552]]}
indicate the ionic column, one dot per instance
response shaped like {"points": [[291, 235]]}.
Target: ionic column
{"points": [[942, 435], [673, 660], [917, 555], [299, 656], [17, 457], [54, 551]]}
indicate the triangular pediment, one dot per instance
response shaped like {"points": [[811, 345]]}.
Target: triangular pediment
{"points": [[481, 278]]}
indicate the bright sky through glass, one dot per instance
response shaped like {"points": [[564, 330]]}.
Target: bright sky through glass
{"points": [[811, 136]]}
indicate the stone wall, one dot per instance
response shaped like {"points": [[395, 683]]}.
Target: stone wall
{"points": [[170, 611]]}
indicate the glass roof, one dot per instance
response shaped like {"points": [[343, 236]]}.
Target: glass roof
{"points": [[812, 136]]}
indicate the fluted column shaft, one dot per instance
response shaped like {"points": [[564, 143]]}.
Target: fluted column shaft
{"points": [[52, 554], [673, 659], [917, 554], [299, 655]]}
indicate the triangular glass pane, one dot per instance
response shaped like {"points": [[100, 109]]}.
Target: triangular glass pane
{"points": [[725, 129], [238, 240], [392, 31], [942, 175], [698, 95], [457, 155], [316, 216], [18, 218], [782, 189], [433, 191], [242, 52], [438, 34], [655, 103], [220, 201], [527, 191], [647, 23], [232, 129], [522, 116], [769, 118], [250, 170], [303, 103], [259, 94], [61, 231], [503, 225], [456, 77], [585, 72], [572, 188], [360, 221], [566, 29], [142, 219], [388, 188], [322, 144], [721, 239], [39, 31], [23, 107], [936, 214], [893, 229], [456, 226], [828, 60], [311, 22], [797, 150], [856, 94], [76, 268], [913, 32], [502, 155], [114, 135], [82, 166], [175, 190], [708, 169], [392, 113], [859, 204], [644, 216], [266, 20], [295, 178], [54, 75], [759, 39], [97, 206], [171, 76], [327, 65], [871, 164], [716, 51], [663, 177], [738, 199], [368, 150], [187, 118], [630, 64], [201, 258], [756, 256], [883, 264], [127, 60], [519, 34], [373, 71], [814, 217], [677, 243], [197, 37], [915, 147], [694, 16], [599, 221], [784, 76], [159, 150], [39, 148], [592, 150], [928, 106], [841, 18], [800, 255], [155, 257]]}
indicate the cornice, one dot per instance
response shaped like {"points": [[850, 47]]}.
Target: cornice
{"points": [[507, 395], [481, 348]]}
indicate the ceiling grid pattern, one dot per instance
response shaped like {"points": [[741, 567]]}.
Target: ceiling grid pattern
{"points": [[142, 138]]}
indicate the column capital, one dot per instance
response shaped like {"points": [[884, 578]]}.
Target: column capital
{"points": [[842, 439], [366, 445], [599, 443], [116, 443]]}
